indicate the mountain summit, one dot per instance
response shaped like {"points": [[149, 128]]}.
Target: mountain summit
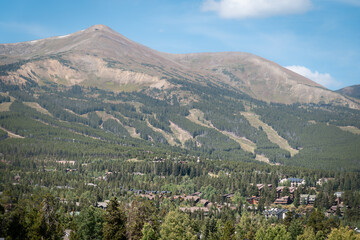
{"points": [[101, 57]]}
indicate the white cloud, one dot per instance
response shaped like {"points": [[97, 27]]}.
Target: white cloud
{"points": [[324, 79], [240, 9]]}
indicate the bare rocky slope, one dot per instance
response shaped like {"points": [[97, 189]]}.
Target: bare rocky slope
{"points": [[101, 57]]}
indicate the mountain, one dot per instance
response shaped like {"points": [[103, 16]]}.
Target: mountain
{"points": [[100, 57], [351, 91], [95, 94]]}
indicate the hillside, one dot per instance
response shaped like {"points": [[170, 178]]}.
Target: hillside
{"points": [[351, 91], [96, 94]]}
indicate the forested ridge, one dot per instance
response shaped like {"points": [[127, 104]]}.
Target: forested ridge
{"points": [[101, 165]]}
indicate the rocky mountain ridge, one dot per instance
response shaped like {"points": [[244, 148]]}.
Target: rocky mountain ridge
{"points": [[100, 57]]}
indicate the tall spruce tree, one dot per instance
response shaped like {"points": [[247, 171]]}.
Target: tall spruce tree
{"points": [[115, 221], [177, 226]]}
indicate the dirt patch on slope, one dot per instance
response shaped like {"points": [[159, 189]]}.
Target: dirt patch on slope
{"points": [[273, 136], [37, 107]]}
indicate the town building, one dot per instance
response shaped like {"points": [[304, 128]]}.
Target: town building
{"points": [[275, 213], [253, 200], [283, 200], [294, 182], [306, 199]]}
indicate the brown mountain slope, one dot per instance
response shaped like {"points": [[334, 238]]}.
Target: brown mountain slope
{"points": [[260, 78], [97, 56], [352, 91], [101, 57]]}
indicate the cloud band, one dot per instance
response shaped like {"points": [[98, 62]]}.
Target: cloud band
{"points": [[324, 79], [240, 9]]}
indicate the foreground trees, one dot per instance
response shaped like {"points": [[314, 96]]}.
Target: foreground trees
{"points": [[141, 212], [343, 233], [140, 219], [115, 221], [32, 219], [278, 232], [177, 226], [90, 224]]}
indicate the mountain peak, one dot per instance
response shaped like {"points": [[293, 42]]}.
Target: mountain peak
{"points": [[100, 27]]}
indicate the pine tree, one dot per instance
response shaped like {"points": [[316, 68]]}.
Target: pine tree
{"points": [[228, 231], [297, 199], [148, 232], [50, 228], [295, 229], [307, 235], [289, 217], [176, 226], [343, 234], [14, 224], [139, 213], [210, 228], [90, 223], [115, 221]]}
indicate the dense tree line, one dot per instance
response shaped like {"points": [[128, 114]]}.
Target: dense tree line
{"points": [[141, 219]]}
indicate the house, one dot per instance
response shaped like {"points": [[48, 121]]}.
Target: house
{"points": [[306, 199], [283, 181], [66, 234], [17, 178], [333, 209], [261, 186], [148, 196], [195, 209], [283, 200], [137, 191], [275, 213], [196, 194], [177, 197], [192, 198], [204, 202], [279, 190], [66, 162], [102, 205], [74, 213], [339, 196], [295, 182], [321, 181], [253, 200], [165, 192], [312, 199], [138, 173], [228, 197]]}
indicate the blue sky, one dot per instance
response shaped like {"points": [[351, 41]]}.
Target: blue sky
{"points": [[319, 39]]}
